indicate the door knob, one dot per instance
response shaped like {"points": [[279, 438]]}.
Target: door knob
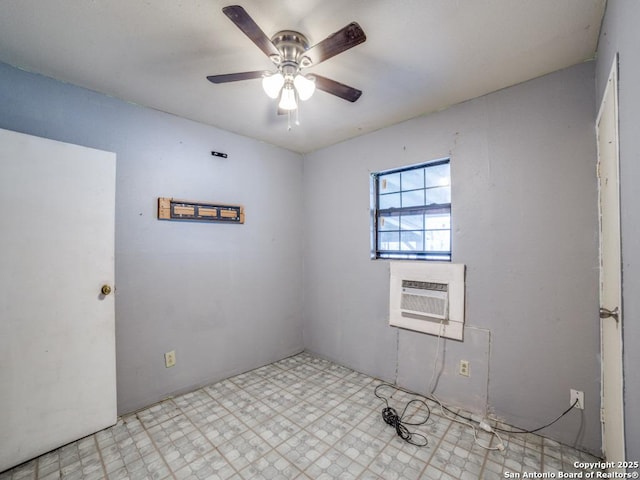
{"points": [[605, 313], [106, 289]]}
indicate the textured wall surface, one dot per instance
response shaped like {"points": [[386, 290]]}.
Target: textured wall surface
{"points": [[524, 213], [226, 298]]}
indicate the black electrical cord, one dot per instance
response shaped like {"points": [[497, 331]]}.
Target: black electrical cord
{"points": [[517, 430], [391, 417]]}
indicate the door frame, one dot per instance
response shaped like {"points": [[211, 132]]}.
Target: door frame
{"points": [[611, 95]]}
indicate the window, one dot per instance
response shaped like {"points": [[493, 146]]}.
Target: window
{"points": [[412, 212]]}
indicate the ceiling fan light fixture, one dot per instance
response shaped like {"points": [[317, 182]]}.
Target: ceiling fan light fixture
{"points": [[290, 52], [305, 86], [272, 84], [288, 98]]}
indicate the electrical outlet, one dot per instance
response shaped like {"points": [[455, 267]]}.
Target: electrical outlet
{"points": [[170, 359], [464, 368], [579, 396]]}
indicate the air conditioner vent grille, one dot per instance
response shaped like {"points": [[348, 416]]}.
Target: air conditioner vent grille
{"points": [[425, 305], [425, 298]]}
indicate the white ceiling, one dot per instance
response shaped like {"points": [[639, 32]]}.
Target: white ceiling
{"points": [[420, 55]]}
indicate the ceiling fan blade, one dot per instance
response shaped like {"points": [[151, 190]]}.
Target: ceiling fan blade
{"points": [[336, 43], [244, 22], [234, 77], [336, 88]]}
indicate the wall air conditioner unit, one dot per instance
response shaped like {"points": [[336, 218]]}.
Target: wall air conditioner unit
{"points": [[427, 297]]}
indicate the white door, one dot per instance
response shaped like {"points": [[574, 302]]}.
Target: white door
{"points": [[57, 332], [610, 272]]}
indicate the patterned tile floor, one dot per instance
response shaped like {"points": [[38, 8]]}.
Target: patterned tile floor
{"points": [[300, 418]]}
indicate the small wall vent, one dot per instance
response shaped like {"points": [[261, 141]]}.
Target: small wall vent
{"points": [[427, 297]]}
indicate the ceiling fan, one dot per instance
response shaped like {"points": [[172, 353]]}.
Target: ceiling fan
{"points": [[291, 54]]}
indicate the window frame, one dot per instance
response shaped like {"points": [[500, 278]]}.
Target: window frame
{"points": [[376, 253]]}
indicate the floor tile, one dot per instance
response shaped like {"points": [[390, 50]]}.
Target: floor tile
{"points": [[329, 429], [276, 430], [198, 399], [244, 449], [300, 418], [394, 464], [360, 446], [271, 466], [302, 449], [334, 464]]}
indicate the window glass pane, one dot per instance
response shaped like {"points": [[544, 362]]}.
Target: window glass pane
{"points": [[436, 221], [389, 183], [438, 176], [413, 179], [438, 195], [412, 199], [411, 241], [389, 223], [412, 222], [438, 240], [413, 216], [389, 240], [390, 201]]}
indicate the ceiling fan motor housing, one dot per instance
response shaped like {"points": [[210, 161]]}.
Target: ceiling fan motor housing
{"points": [[291, 45]]}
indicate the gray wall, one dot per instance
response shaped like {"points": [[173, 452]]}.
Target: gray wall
{"points": [[620, 34], [524, 223], [227, 298]]}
